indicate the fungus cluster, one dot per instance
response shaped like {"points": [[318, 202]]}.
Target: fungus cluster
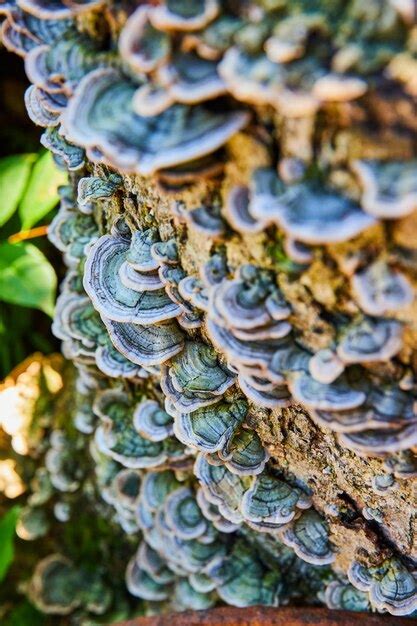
{"points": [[181, 306]]}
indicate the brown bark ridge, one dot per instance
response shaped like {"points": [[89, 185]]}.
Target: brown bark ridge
{"points": [[264, 616]]}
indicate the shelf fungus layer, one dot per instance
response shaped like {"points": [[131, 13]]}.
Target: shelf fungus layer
{"points": [[239, 236]]}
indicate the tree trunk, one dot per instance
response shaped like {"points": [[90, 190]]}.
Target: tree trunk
{"points": [[314, 346]]}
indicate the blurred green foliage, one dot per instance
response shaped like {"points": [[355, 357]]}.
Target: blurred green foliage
{"points": [[24, 614], [28, 193], [14, 176], [7, 536], [41, 193]]}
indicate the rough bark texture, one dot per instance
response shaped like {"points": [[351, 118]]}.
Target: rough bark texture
{"points": [[260, 616], [338, 477]]}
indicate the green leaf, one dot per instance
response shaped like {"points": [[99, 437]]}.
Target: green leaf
{"points": [[14, 175], [41, 193], [7, 535], [26, 277], [24, 614]]}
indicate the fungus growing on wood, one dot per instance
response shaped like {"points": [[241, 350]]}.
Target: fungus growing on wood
{"points": [[308, 536], [201, 351], [391, 586], [111, 298], [195, 378], [183, 16], [379, 289], [342, 595], [145, 345], [151, 421], [142, 46], [270, 502], [388, 188], [183, 134], [210, 428], [371, 339]]}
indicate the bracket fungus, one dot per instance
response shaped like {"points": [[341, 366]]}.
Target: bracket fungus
{"points": [[343, 595], [117, 436], [93, 188], [111, 298], [238, 313], [145, 345], [151, 421], [195, 378], [184, 132], [58, 10], [388, 188], [210, 428], [308, 536], [73, 156], [370, 340], [178, 15], [391, 586], [271, 502], [379, 289]]}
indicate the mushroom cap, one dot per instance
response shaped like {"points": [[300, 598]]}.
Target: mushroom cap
{"points": [[151, 99], [206, 220], [272, 502], [195, 378], [73, 156], [389, 189], [140, 584], [210, 428], [242, 579], [242, 352], [190, 79], [314, 216], [59, 66], [214, 270], [271, 396], [141, 45], [391, 586], [53, 587], [141, 144], [193, 290], [337, 396], [183, 514], [140, 255], [237, 213], [145, 345], [375, 442], [342, 595], [137, 280], [117, 438], [221, 488], [44, 109], [251, 78], [151, 421], [58, 10], [308, 536], [371, 339], [184, 15], [379, 289], [111, 298], [339, 88], [244, 454], [92, 188], [325, 366], [155, 488], [186, 597], [113, 364]]}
